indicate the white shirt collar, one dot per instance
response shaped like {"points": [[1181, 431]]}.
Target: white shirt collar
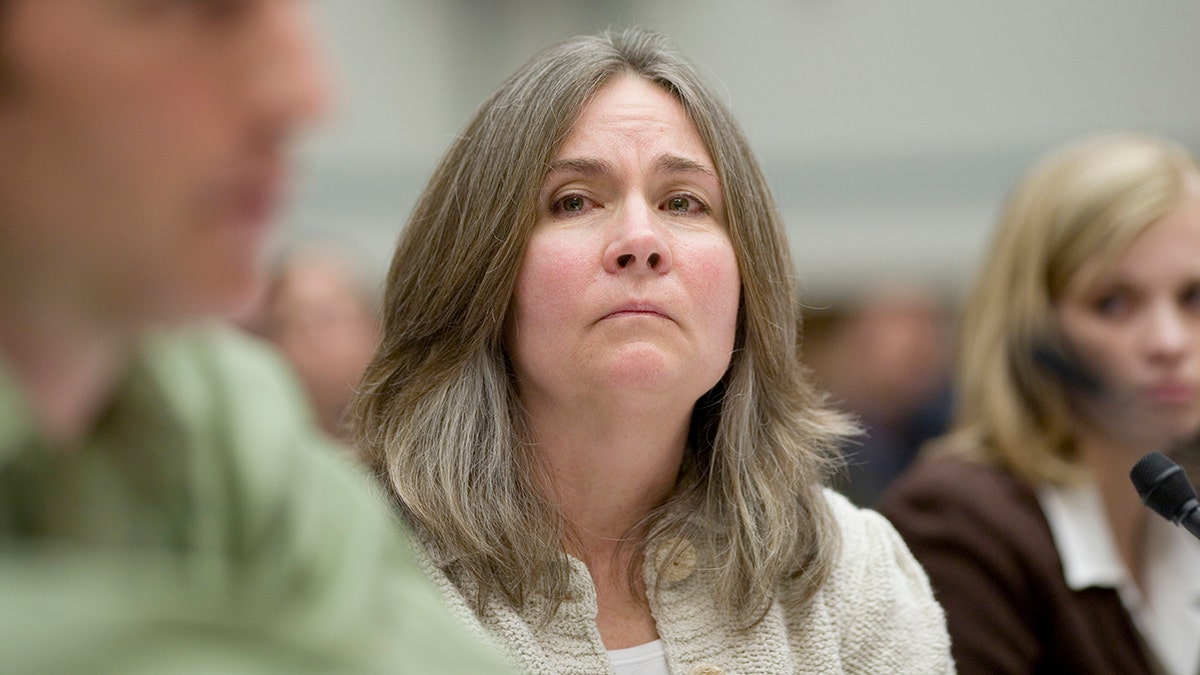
{"points": [[1168, 614], [1082, 537]]}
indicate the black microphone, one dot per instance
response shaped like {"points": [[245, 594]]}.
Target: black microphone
{"points": [[1163, 486]]}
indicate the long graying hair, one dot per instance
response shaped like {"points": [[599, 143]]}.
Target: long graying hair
{"points": [[438, 412], [1086, 201]]}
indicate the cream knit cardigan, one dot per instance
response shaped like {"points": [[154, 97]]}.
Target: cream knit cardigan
{"points": [[875, 615]]}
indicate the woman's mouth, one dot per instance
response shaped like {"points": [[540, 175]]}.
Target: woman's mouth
{"points": [[1172, 393]]}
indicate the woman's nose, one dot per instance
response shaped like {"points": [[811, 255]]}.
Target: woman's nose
{"points": [[1169, 332], [638, 243]]}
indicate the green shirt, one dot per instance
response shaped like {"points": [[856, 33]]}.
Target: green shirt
{"points": [[204, 525]]}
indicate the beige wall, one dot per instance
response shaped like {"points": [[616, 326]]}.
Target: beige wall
{"points": [[890, 130]]}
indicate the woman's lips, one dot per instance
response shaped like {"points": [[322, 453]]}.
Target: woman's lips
{"points": [[637, 309], [1172, 393]]}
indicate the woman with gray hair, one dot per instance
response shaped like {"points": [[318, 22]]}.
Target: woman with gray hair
{"points": [[589, 402]]}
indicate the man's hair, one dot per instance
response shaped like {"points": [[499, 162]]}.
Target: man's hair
{"points": [[438, 411], [1086, 201]]}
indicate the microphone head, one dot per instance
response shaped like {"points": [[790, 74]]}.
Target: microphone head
{"points": [[1162, 484]]}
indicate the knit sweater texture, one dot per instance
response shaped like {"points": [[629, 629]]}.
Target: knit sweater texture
{"points": [[874, 614]]}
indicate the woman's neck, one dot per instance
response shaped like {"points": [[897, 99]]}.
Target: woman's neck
{"points": [[1123, 509], [609, 476], [609, 466]]}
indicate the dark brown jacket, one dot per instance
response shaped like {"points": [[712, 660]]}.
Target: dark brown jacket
{"points": [[982, 537]]}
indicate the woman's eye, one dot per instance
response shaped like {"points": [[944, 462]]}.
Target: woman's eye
{"points": [[570, 204], [1191, 296], [685, 204], [1112, 304]]}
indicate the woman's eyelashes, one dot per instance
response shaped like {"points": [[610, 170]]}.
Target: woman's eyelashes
{"points": [[1115, 303], [685, 204], [1121, 302], [571, 205]]}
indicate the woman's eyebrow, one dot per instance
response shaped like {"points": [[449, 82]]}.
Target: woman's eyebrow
{"points": [[677, 164], [587, 166], [582, 166]]}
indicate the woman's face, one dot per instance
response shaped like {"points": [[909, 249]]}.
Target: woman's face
{"points": [[1136, 324], [629, 283]]}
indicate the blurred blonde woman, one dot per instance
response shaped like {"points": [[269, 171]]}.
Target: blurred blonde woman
{"points": [[1079, 353], [589, 402]]}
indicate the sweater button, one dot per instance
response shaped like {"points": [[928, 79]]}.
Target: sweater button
{"points": [[675, 560], [707, 669]]}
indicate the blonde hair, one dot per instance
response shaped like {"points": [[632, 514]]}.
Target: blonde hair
{"points": [[438, 411], [1086, 201]]}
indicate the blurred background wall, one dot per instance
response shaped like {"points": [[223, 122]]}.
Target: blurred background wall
{"points": [[890, 131]]}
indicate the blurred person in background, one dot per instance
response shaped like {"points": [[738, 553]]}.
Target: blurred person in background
{"points": [[886, 360], [1079, 353], [589, 400], [319, 310], [166, 504]]}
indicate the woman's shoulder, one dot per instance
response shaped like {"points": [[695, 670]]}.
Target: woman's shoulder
{"points": [[970, 492], [877, 601], [956, 515], [869, 544]]}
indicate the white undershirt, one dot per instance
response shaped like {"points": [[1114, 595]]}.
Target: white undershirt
{"points": [[1167, 611], [647, 659]]}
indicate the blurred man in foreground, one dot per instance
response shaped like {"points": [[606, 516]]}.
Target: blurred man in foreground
{"points": [[166, 504]]}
